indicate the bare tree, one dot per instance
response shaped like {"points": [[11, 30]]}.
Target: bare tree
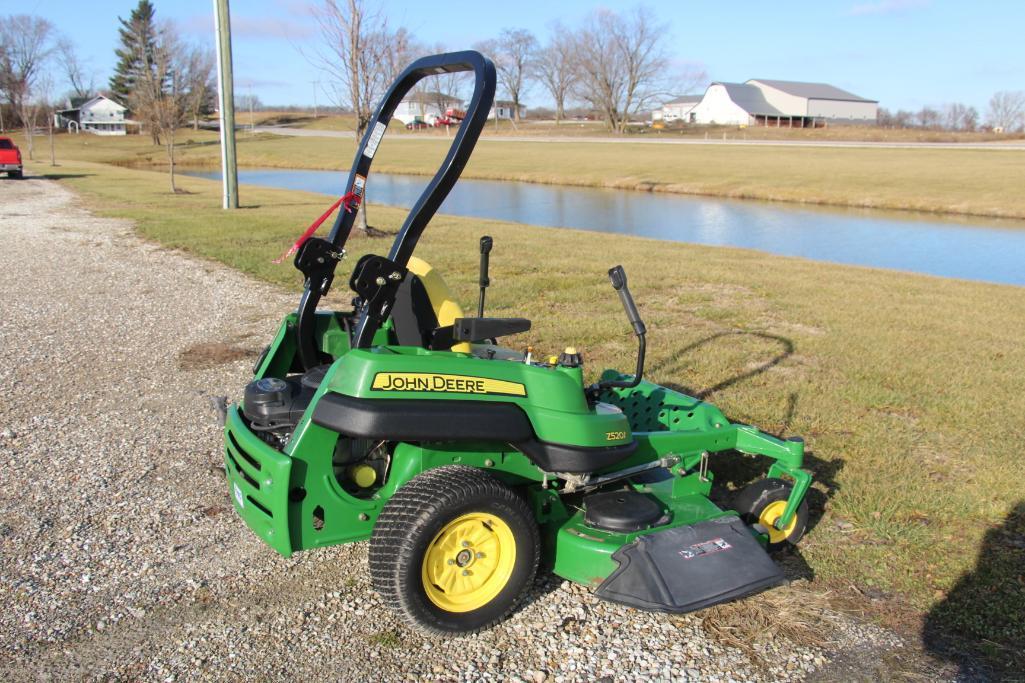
{"points": [[1007, 110], [622, 64], [970, 119], [355, 55], [556, 67], [928, 117], [513, 53], [403, 48], [82, 85], [958, 116], [28, 45], [199, 67], [162, 93]]}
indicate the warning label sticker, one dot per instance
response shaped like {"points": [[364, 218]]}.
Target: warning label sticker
{"points": [[359, 185], [705, 548], [375, 139]]}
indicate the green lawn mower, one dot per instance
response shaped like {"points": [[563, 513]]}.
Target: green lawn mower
{"points": [[467, 464]]}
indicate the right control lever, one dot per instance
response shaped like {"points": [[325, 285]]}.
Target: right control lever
{"points": [[618, 278]]}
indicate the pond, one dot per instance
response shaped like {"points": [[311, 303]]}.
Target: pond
{"points": [[970, 248]]}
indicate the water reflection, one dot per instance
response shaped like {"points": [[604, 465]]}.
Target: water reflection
{"points": [[970, 248]]}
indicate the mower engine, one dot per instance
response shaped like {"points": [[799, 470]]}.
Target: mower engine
{"points": [[274, 407]]}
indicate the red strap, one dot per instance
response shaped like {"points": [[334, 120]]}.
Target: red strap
{"points": [[350, 201]]}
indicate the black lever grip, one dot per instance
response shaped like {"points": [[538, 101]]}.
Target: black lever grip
{"points": [[618, 278], [486, 244]]}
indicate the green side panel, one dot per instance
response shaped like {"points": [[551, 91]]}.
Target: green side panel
{"points": [[258, 482], [554, 398], [322, 513]]}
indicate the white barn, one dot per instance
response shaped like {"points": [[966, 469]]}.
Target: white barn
{"points": [[733, 104], [761, 102], [817, 100]]}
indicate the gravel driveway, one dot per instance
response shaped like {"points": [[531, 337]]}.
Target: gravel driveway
{"points": [[121, 555]]}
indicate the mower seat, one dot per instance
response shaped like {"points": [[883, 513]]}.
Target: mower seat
{"points": [[423, 304]]}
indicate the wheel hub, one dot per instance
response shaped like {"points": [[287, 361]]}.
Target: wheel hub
{"points": [[469, 562], [770, 515]]}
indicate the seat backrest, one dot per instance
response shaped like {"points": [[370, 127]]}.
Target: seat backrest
{"points": [[423, 304]]}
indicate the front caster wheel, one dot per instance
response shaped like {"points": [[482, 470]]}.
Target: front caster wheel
{"points": [[762, 503], [454, 550]]}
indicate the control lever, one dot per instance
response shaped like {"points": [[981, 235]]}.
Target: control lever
{"points": [[485, 251], [618, 278]]}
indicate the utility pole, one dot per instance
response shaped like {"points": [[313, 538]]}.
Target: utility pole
{"points": [[226, 91], [53, 155], [315, 84]]}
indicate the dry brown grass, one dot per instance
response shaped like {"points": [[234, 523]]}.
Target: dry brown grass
{"points": [[211, 354], [796, 614]]}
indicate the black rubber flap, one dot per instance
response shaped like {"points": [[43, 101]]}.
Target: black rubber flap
{"points": [[690, 568]]}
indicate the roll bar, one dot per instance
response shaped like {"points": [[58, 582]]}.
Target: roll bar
{"points": [[376, 279]]}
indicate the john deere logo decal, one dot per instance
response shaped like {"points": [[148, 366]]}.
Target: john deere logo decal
{"points": [[447, 384]]}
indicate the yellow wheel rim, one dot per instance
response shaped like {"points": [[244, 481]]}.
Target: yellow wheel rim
{"points": [[772, 512], [469, 562]]}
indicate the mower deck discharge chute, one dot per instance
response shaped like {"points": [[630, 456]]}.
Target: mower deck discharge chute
{"points": [[467, 464]]}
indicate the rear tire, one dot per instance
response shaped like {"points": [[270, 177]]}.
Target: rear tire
{"points": [[17, 175], [763, 502], [454, 550]]}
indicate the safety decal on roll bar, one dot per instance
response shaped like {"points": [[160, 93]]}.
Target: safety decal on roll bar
{"points": [[358, 186], [375, 139]]}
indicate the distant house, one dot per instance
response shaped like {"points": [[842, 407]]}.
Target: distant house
{"points": [[425, 106], [676, 110], [503, 109], [760, 102], [99, 115]]}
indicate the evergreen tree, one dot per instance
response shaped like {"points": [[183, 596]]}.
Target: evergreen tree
{"points": [[135, 54]]}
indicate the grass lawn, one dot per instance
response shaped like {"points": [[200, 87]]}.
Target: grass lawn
{"points": [[908, 388], [979, 182]]}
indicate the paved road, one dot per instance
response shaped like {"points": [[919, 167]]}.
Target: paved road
{"points": [[122, 559], [1017, 146]]}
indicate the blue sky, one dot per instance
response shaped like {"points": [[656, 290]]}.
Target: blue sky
{"points": [[905, 53]]}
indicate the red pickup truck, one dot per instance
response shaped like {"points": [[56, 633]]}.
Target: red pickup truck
{"points": [[10, 158]]}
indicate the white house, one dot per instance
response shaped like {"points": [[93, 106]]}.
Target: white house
{"points": [[676, 110], [794, 104], [504, 109], [99, 115], [425, 106]]}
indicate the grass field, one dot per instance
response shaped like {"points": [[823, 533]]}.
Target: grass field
{"points": [[977, 182], [575, 127], [907, 387]]}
